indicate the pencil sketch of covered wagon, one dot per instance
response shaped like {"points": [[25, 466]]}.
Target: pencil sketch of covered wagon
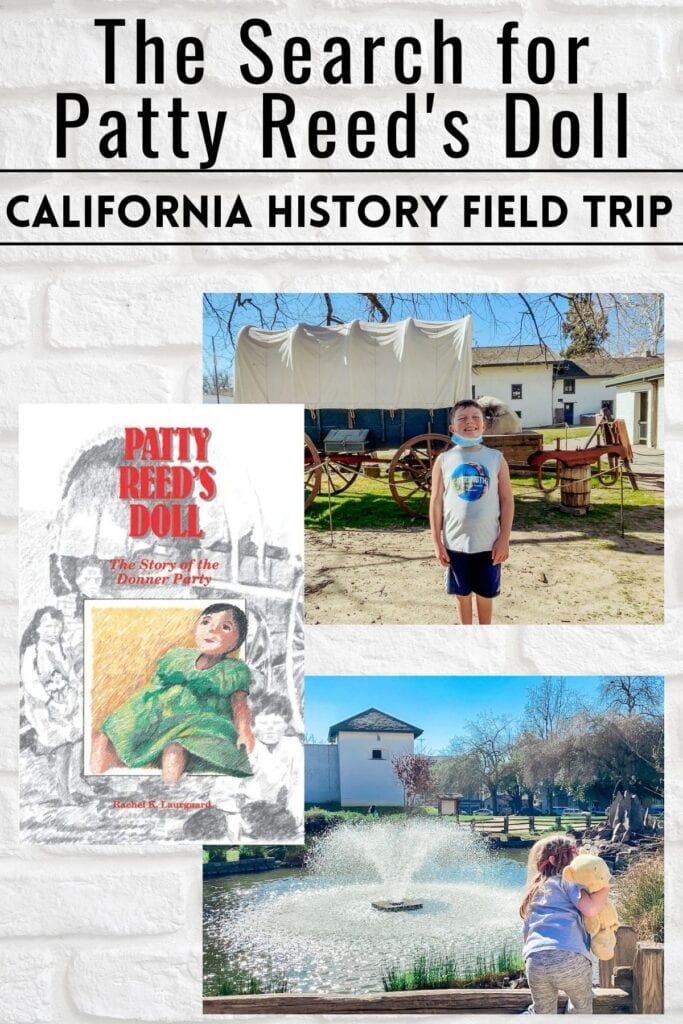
{"points": [[369, 388]]}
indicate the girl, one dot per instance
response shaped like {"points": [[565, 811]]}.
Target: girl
{"points": [[194, 714], [556, 946], [50, 701]]}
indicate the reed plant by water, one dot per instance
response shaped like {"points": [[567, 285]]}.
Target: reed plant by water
{"points": [[236, 982], [474, 970]]}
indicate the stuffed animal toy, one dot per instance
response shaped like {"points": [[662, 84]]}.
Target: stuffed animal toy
{"points": [[591, 873]]}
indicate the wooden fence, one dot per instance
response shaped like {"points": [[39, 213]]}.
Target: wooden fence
{"points": [[633, 982], [521, 824]]}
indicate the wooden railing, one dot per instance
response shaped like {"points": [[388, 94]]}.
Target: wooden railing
{"points": [[520, 824], [637, 968], [449, 1001]]}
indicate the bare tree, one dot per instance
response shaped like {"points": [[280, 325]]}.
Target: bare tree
{"points": [[549, 704], [631, 694], [639, 322], [489, 741], [460, 773]]}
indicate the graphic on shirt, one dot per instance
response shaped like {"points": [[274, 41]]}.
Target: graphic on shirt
{"points": [[470, 481]]}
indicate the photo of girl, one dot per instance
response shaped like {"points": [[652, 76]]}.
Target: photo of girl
{"points": [[556, 947], [193, 715], [430, 816]]}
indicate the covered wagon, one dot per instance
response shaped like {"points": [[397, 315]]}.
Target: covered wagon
{"points": [[366, 388]]}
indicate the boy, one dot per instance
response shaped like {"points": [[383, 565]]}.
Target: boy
{"points": [[276, 758], [470, 513]]}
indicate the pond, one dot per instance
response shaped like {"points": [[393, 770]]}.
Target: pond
{"points": [[317, 927]]}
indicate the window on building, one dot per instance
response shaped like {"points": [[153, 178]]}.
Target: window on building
{"points": [[516, 391], [474, 392], [377, 755], [569, 387]]}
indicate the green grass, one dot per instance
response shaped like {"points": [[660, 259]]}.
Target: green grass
{"points": [[368, 505], [236, 982], [550, 434], [643, 510], [478, 970]]}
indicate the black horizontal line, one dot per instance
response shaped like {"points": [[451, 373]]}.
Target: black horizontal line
{"points": [[296, 242], [341, 170]]}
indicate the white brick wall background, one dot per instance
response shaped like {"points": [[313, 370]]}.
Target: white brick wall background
{"points": [[115, 935]]}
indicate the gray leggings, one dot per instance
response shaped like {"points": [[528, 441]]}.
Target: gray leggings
{"points": [[548, 971]]}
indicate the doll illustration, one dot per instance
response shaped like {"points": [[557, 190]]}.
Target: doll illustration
{"points": [[193, 716]]}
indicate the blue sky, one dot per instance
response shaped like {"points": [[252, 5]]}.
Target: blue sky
{"points": [[441, 705], [498, 318]]}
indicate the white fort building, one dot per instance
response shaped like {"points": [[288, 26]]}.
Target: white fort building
{"points": [[353, 769]]}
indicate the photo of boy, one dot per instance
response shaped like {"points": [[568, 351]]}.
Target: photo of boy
{"points": [[569, 426], [471, 511]]}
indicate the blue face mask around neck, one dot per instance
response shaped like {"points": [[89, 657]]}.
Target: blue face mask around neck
{"points": [[466, 442]]}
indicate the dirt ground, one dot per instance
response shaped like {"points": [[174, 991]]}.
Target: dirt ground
{"points": [[559, 573]]}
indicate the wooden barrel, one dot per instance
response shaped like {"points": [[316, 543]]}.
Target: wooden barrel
{"points": [[575, 488]]}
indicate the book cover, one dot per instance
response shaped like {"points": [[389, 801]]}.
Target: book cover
{"points": [[161, 651]]}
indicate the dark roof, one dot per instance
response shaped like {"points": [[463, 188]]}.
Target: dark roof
{"points": [[597, 364], [372, 720], [512, 355], [602, 364], [632, 378]]}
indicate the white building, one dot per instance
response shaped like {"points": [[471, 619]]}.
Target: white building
{"points": [[519, 375], [542, 387], [354, 768], [581, 385], [640, 403]]}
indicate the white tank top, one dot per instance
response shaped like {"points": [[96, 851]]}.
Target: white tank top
{"points": [[471, 507]]}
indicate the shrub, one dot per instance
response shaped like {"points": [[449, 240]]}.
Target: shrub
{"points": [[317, 821], [640, 898], [215, 853], [249, 852], [295, 858]]}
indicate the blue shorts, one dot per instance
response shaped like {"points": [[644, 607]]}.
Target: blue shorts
{"points": [[474, 573]]}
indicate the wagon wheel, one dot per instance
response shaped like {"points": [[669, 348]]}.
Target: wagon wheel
{"points": [[338, 476], [410, 472], [554, 481], [313, 471], [608, 477]]}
